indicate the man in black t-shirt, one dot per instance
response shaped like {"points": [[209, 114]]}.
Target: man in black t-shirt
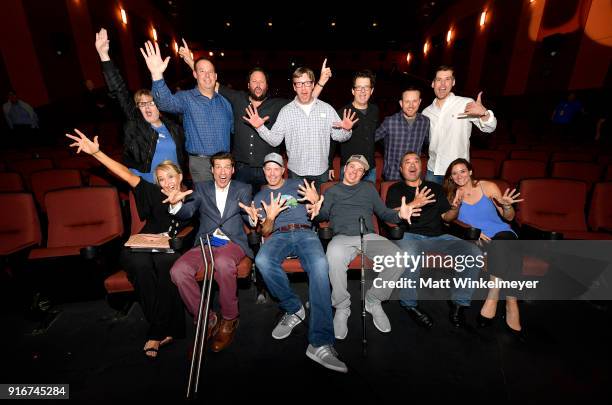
{"points": [[435, 210]]}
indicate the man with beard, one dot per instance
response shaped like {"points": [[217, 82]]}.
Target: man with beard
{"points": [[248, 147]]}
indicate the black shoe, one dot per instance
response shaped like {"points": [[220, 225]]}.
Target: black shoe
{"points": [[419, 316], [518, 335], [483, 321], [456, 315]]}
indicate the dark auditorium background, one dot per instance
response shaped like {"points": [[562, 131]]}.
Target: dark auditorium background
{"points": [[524, 55]]}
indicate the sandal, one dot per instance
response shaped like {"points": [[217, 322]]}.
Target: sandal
{"points": [[151, 350]]}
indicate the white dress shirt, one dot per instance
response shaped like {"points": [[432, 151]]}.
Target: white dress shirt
{"points": [[450, 134]]}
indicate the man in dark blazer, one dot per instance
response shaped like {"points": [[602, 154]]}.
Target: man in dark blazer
{"points": [[221, 219]]}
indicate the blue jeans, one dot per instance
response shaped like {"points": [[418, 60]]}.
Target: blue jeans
{"points": [[434, 178], [306, 245], [414, 244], [369, 176]]}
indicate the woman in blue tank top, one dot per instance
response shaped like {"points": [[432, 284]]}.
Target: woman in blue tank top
{"points": [[483, 206]]}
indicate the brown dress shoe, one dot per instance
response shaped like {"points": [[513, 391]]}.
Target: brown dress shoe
{"points": [[225, 335]]}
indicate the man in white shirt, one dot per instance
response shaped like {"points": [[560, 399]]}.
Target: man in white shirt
{"points": [[451, 118], [306, 125], [216, 201]]}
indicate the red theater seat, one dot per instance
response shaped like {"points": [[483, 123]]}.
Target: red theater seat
{"points": [[600, 212], [19, 225], [513, 171]]}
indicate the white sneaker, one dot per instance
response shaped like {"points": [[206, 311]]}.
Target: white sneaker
{"points": [[340, 322], [327, 357], [381, 321], [287, 323]]}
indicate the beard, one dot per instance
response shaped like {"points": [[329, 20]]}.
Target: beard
{"points": [[255, 97]]}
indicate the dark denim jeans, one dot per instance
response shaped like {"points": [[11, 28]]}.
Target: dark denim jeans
{"points": [[414, 244], [306, 245]]}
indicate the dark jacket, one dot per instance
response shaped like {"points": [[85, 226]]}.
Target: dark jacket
{"points": [[231, 221], [140, 138]]}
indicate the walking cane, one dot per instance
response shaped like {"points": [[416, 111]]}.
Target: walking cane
{"points": [[200, 340], [364, 338]]}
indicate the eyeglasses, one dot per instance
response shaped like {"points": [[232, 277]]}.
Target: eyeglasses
{"points": [[361, 88], [305, 84], [142, 104]]}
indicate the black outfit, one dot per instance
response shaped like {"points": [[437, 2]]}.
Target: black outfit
{"points": [[361, 141], [503, 263], [140, 137], [150, 272], [430, 222], [248, 148]]}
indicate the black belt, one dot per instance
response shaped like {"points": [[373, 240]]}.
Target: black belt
{"points": [[198, 155], [293, 227]]}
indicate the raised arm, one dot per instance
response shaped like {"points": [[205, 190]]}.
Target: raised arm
{"points": [[326, 73], [273, 136], [185, 54], [115, 83], [84, 144], [164, 99]]}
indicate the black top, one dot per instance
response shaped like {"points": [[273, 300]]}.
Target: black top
{"points": [[247, 146], [430, 222], [361, 141], [140, 138], [150, 207]]}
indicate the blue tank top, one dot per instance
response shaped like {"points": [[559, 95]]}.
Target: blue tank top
{"points": [[483, 215]]}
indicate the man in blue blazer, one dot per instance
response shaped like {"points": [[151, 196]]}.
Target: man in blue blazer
{"points": [[216, 201]]}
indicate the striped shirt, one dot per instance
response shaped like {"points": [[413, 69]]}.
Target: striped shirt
{"points": [[400, 137], [208, 122], [307, 137]]}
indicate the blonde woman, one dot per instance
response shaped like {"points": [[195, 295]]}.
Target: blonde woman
{"points": [[148, 272]]}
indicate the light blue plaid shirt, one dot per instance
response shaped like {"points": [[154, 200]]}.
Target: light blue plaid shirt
{"points": [[307, 137], [208, 122]]}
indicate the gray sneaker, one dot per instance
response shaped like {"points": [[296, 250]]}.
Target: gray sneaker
{"points": [[326, 356], [340, 322], [287, 323], [381, 321]]}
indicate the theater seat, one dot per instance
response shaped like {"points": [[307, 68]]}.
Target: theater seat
{"points": [[484, 168], [498, 156], [28, 166], [587, 172], [555, 205], [44, 181], [571, 157], [513, 171], [19, 225], [538, 155], [600, 211], [11, 183], [79, 218]]}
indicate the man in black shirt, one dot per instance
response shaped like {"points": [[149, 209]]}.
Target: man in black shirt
{"points": [[435, 209], [248, 147], [362, 140]]}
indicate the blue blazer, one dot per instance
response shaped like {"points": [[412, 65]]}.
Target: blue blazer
{"points": [[231, 221]]}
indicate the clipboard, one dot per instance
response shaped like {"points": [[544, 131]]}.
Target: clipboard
{"points": [[149, 242]]}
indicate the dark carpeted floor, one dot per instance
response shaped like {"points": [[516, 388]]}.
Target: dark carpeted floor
{"points": [[100, 356]]}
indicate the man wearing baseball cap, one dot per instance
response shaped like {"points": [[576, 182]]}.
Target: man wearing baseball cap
{"points": [[343, 205], [288, 232]]}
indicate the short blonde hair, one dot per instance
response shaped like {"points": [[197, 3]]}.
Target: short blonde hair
{"points": [[167, 166]]}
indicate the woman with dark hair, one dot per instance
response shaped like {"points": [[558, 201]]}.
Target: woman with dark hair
{"points": [[149, 272], [484, 206]]}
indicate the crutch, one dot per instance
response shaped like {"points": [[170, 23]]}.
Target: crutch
{"points": [[364, 337], [200, 340]]}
